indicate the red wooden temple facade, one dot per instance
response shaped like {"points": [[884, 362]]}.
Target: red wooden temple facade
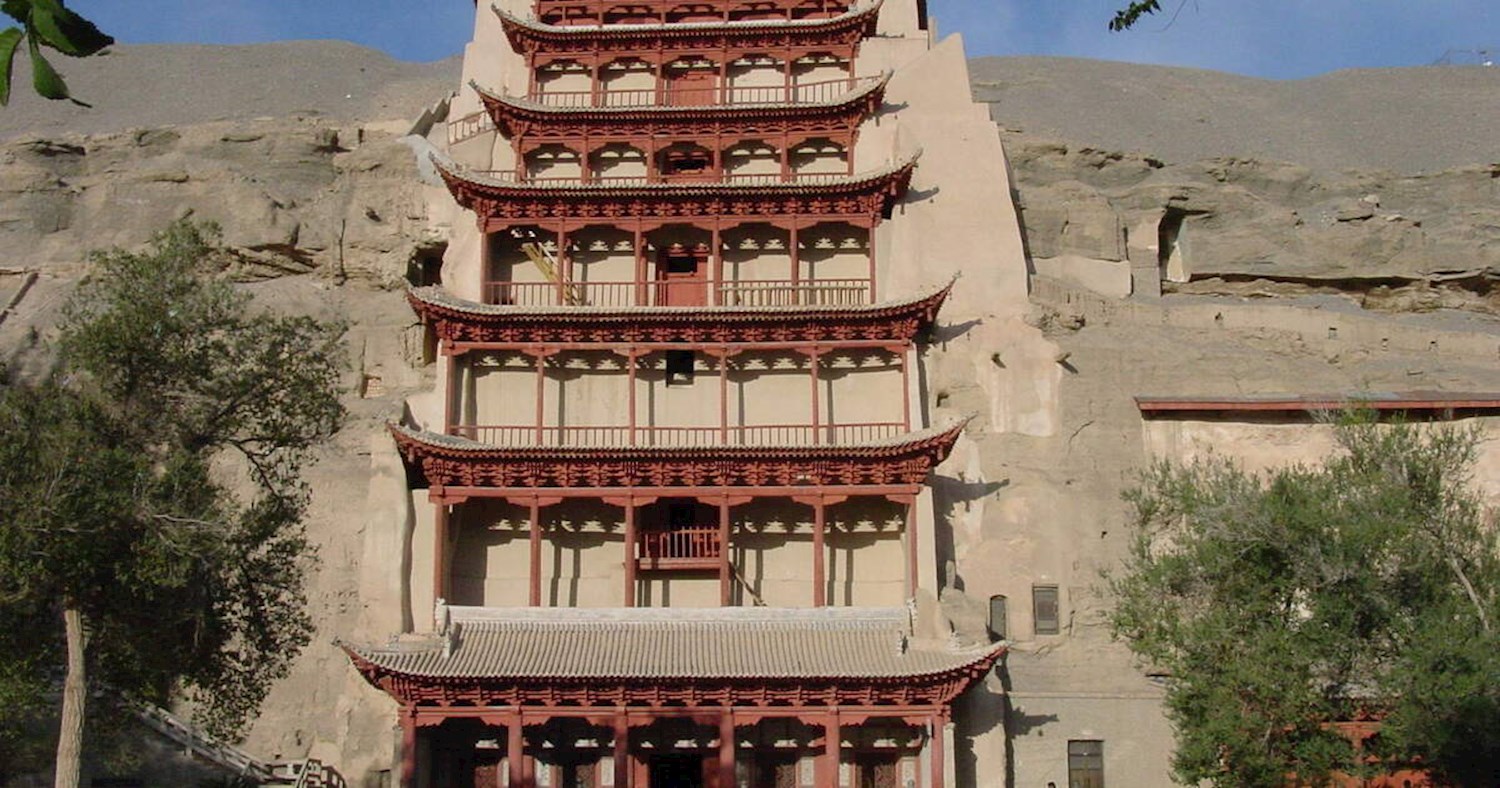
{"points": [[677, 479]]}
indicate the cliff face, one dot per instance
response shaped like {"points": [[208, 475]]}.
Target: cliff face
{"points": [[1189, 267]]}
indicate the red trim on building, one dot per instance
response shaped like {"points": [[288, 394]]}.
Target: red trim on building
{"points": [[857, 199], [736, 37], [541, 124], [454, 462], [937, 689], [896, 323]]}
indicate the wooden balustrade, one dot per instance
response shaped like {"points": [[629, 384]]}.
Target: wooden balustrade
{"points": [[679, 437], [667, 94], [593, 12], [657, 292], [680, 548]]}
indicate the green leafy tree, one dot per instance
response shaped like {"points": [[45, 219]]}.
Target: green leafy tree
{"points": [[150, 502], [1126, 17], [45, 23], [1282, 602]]}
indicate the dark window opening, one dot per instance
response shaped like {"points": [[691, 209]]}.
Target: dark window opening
{"points": [[680, 365], [997, 617], [1086, 763], [425, 269], [1044, 610], [691, 163]]}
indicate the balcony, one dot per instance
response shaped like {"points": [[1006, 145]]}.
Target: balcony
{"points": [[680, 437], [679, 293], [679, 548], [593, 12], [666, 94]]}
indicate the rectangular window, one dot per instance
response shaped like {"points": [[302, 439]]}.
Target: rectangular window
{"points": [[679, 367], [1044, 610], [1086, 763]]}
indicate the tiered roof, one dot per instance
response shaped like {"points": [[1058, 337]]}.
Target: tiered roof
{"points": [[451, 461], [861, 198], [725, 656], [532, 37], [461, 321]]}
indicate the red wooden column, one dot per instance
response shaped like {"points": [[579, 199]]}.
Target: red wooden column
{"points": [[409, 747], [870, 245], [515, 746], [820, 553], [904, 354], [717, 252], [630, 561], [630, 372], [640, 263], [534, 526], [795, 253], [440, 528], [828, 763], [726, 749], [939, 721], [817, 423], [913, 579], [622, 749], [724, 567], [453, 391], [541, 397]]}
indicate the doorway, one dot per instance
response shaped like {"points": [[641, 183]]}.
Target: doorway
{"points": [[683, 274], [677, 771]]}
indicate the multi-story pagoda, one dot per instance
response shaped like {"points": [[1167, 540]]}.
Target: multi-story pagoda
{"points": [[675, 475]]}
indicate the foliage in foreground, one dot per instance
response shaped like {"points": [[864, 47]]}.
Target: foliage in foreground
{"points": [[1279, 602], [45, 23], [150, 487]]}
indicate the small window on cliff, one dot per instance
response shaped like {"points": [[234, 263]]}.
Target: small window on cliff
{"points": [[1169, 251], [426, 266], [1044, 610]]}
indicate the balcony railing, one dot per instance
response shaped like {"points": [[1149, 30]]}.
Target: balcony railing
{"points": [[816, 292], [667, 95], [680, 437], [669, 11], [680, 548]]}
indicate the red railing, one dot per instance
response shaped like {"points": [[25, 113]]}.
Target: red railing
{"points": [[680, 437], [680, 546], [816, 292], [622, 181], [669, 95], [587, 12]]}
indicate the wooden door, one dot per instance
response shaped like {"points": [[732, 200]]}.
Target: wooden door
{"points": [[683, 275], [694, 88]]}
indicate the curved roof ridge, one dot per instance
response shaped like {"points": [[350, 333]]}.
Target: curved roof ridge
{"points": [[854, 13], [452, 169], [437, 295], [864, 86]]}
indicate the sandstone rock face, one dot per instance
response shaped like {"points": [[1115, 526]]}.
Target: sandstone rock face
{"points": [[1245, 227], [1274, 277]]}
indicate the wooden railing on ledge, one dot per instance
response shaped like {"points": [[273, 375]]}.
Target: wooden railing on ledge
{"points": [[654, 179], [587, 12], [680, 548], [812, 292], [668, 95], [468, 127], [681, 437]]}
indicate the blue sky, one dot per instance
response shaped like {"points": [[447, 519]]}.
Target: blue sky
{"points": [[1267, 38]]}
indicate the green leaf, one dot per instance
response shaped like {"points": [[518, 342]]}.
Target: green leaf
{"points": [[44, 78], [19, 10], [10, 40], [65, 31]]}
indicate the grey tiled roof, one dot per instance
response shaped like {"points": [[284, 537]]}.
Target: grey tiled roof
{"points": [[865, 86], [456, 442], [717, 643], [440, 296]]}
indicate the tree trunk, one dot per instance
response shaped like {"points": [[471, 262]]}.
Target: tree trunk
{"points": [[74, 696]]}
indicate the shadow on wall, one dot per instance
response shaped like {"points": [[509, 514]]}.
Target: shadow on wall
{"points": [[980, 711], [949, 494]]}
